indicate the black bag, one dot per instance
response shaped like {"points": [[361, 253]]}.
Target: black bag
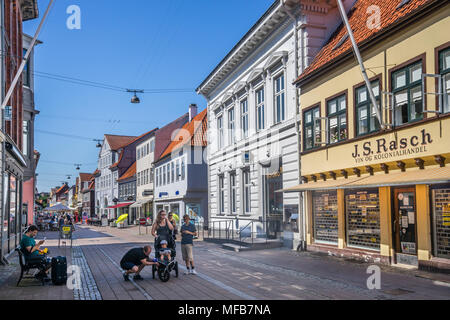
{"points": [[59, 270]]}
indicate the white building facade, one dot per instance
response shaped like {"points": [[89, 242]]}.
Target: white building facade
{"points": [[106, 185], [254, 136], [181, 173], [145, 156]]}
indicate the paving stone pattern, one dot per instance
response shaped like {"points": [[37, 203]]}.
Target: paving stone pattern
{"points": [[89, 289]]}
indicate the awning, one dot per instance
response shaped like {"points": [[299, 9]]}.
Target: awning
{"points": [[140, 203], [394, 178], [121, 205], [330, 184], [410, 177]]}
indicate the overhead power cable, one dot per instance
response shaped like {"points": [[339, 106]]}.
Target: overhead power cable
{"points": [[66, 163], [107, 86], [59, 134]]}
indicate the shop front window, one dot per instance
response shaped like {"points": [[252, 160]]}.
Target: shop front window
{"points": [[175, 208], [12, 205], [325, 217], [291, 218], [441, 212], [363, 219], [274, 182], [5, 204]]}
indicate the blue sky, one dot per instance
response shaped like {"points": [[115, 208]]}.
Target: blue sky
{"points": [[144, 44]]}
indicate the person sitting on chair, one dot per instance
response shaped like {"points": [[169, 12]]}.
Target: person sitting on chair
{"points": [[32, 252]]}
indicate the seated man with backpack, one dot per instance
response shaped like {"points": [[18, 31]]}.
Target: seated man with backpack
{"points": [[32, 253]]}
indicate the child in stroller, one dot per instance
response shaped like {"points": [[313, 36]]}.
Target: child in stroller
{"points": [[165, 253]]}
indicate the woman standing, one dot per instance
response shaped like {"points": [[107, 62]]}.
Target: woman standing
{"points": [[162, 226]]}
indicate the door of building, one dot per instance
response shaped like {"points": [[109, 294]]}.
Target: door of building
{"points": [[405, 228]]}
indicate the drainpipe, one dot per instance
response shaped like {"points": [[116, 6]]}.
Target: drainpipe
{"points": [[294, 18], [361, 64]]}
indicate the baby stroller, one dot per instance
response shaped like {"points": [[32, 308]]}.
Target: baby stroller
{"points": [[165, 267]]}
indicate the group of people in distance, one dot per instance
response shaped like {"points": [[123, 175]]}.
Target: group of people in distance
{"points": [[164, 227]]}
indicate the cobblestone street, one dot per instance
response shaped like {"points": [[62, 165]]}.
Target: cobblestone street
{"points": [[276, 274]]}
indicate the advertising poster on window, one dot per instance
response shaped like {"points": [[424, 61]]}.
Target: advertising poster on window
{"points": [[193, 210]]}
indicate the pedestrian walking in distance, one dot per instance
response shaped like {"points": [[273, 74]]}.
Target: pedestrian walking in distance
{"points": [[134, 261], [188, 231]]}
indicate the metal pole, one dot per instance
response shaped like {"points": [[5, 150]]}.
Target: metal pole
{"points": [[25, 59], [361, 63]]}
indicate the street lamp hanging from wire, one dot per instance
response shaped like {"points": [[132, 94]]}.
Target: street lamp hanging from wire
{"points": [[135, 99]]}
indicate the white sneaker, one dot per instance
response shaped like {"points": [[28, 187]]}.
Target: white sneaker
{"points": [[193, 272], [187, 272]]}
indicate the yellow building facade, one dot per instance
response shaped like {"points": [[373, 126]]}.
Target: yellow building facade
{"points": [[376, 194]]}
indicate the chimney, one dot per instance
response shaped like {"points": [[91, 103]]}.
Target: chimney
{"points": [[193, 110]]}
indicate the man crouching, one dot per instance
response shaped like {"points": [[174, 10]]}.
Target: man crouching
{"points": [[134, 261]]}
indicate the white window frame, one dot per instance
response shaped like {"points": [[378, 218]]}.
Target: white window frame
{"points": [[260, 105], [220, 136], [244, 117], [231, 125], [282, 94]]}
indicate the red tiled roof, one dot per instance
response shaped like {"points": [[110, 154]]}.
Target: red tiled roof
{"points": [[61, 189], [143, 135], [197, 134], [164, 135], [85, 177], [117, 142], [358, 16], [129, 173]]}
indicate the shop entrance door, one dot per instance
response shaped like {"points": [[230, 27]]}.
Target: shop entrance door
{"points": [[404, 228]]}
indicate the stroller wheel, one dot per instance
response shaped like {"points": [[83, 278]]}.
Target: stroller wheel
{"points": [[153, 271], [176, 269], [164, 275]]}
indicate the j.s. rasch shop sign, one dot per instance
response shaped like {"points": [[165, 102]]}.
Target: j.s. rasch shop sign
{"points": [[385, 149]]}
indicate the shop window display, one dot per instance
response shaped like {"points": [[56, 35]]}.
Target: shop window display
{"points": [[441, 209], [363, 219], [325, 217]]}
